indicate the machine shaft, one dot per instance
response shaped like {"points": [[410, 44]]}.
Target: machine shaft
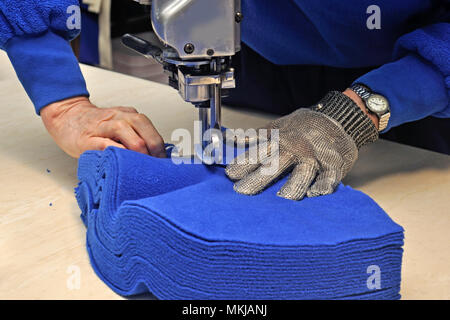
{"points": [[216, 106]]}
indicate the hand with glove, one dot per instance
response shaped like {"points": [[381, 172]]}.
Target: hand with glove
{"points": [[317, 146]]}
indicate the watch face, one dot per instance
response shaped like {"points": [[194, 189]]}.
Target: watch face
{"points": [[377, 103]]}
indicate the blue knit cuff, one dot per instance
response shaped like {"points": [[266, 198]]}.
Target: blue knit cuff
{"points": [[47, 68]]}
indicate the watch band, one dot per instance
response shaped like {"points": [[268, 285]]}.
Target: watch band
{"points": [[344, 110], [362, 91], [365, 92], [384, 121]]}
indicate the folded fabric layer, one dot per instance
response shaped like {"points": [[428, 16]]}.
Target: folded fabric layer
{"points": [[181, 232]]}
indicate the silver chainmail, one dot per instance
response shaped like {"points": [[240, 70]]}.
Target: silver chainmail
{"points": [[318, 146]]}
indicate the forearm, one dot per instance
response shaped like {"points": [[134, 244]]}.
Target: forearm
{"points": [[417, 84], [414, 88], [47, 69], [54, 112], [36, 36]]}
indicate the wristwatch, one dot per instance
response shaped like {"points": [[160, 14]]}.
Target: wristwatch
{"points": [[375, 103]]}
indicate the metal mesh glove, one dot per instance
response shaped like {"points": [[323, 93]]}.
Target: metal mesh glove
{"points": [[318, 146]]}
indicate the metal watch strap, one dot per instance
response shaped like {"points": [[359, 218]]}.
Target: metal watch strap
{"points": [[361, 91], [384, 121], [344, 110], [365, 93]]}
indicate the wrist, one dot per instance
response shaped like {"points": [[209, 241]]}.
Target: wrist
{"points": [[47, 68], [52, 114], [355, 122], [56, 109], [360, 103]]}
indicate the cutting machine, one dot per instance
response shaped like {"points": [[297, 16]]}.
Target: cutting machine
{"points": [[197, 40]]}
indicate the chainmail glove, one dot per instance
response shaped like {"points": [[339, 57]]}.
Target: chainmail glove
{"points": [[318, 146]]}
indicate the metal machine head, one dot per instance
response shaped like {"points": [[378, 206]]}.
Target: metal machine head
{"points": [[197, 39]]}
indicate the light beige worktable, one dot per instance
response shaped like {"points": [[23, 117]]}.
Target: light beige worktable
{"points": [[42, 247]]}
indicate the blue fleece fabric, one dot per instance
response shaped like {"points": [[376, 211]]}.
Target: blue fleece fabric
{"points": [[416, 72], [181, 232], [35, 35]]}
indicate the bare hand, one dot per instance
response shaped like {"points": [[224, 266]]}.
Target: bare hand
{"points": [[77, 125]]}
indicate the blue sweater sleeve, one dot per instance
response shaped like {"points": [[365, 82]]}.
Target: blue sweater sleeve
{"points": [[36, 35], [417, 83]]}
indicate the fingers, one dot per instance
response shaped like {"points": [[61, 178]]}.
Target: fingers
{"points": [[257, 180], [325, 183], [299, 182], [120, 130], [83, 126], [133, 130], [153, 141], [101, 144], [127, 109], [243, 165], [249, 161]]}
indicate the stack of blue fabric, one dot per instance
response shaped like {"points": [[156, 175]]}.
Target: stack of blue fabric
{"points": [[181, 232]]}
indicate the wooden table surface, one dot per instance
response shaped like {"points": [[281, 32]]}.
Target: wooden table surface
{"points": [[42, 239]]}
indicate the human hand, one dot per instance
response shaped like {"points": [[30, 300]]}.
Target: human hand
{"points": [[318, 146], [77, 125]]}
